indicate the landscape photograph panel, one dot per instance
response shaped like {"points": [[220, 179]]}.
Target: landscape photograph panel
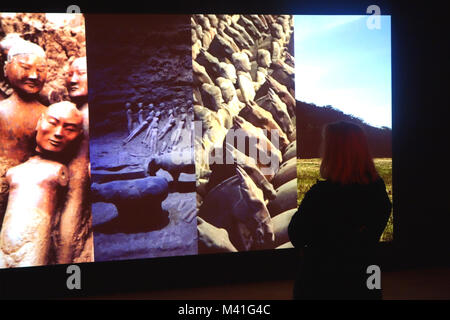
{"points": [[343, 73]]}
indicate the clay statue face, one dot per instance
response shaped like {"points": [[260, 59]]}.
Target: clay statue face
{"points": [[58, 127], [76, 81], [27, 73]]}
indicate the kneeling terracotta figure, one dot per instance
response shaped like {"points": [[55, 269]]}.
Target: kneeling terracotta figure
{"points": [[37, 188]]}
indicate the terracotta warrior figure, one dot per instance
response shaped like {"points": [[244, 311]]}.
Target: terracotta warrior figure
{"points": [[153, 140], [176, 135], [169, 124], [129, 117], [37, 188], [7, 42], [152, 128], [141, 111], [75, 237], [26, 71], [150, 120], [77, 84], [139, 129]]}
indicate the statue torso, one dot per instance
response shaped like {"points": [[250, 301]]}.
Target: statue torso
{"points": [[17, 129], [17, 139]]}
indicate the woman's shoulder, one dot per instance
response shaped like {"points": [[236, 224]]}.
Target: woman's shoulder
{"points": [[377, 184], [380, 182], [320, 186], [327, 185]]}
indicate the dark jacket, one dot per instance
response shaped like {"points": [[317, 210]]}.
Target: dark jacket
{"points": [[338, 227]]}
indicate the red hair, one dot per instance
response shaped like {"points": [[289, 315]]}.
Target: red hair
{"points": [[345, 155]]}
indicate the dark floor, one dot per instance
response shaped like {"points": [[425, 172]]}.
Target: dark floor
{"points": [[423, 284]]}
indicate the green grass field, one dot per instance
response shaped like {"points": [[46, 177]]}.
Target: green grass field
{"points": [[308, 174]]}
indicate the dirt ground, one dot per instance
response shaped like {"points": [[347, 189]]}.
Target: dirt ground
{"points": [[176, 237]]}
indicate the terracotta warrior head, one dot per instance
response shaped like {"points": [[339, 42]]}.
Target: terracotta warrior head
{"points": [[58, 129], [26, 68], [77, 81]]}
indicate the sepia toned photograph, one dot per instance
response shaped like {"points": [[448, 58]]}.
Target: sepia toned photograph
{"points": [[245, 145], [44, 159]]}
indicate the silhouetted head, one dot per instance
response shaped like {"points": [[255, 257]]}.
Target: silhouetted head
{"points": [[345, 155]]}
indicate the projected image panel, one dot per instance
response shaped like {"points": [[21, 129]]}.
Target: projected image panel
{"points": [[44, 165], [245, 140], [143, 175], [343, 73]]}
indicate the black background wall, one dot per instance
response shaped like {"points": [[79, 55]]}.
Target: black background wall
{"points": [[420, 69], [421, 136]]}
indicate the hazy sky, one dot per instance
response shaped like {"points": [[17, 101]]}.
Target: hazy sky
{"points": [[340, 62]]}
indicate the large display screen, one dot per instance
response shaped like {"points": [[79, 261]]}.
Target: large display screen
{"points": [[144, 136]]}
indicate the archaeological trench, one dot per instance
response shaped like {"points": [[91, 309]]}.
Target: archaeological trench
{"points": [[141, 118]]}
